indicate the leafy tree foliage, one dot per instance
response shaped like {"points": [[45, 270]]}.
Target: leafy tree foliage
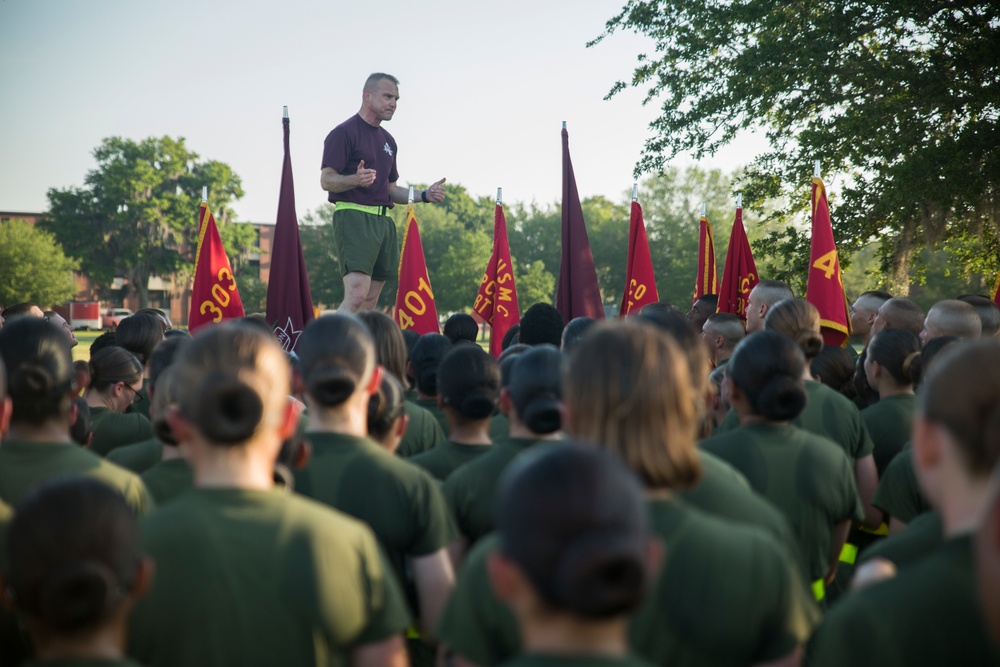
{"points": [[896, 97], [34, 266], [137, 214]]}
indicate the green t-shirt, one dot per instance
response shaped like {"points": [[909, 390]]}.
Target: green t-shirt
{"points": [[726, 594], [25, 465], [431, 405], [928, 614], [139, 457], [499, 427], [142, 401], [116, 429], [423, 432], [168, 479], [247, 577], [471, 489], [888, 422], [577, 660], [806, 476], [829, 414], [448, 457], [898, 493], [921, 537]]}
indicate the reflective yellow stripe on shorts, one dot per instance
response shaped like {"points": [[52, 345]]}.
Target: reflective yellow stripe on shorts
{"points": [[374, 210], [883, 529], [819, 589], [412, 632], [849, 554]]}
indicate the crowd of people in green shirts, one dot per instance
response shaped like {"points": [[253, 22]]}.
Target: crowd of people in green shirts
{"points": [[672, 489]]}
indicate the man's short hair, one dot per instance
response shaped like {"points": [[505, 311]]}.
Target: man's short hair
{"points": [[542, 323], [709, 298], [988, 311], [771, 292], [873, 299], [22, 309], [575, 331], [956, 318], [729, 326], [901, 313], [372, 81]]}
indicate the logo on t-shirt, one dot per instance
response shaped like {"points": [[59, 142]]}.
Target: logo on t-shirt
{"points": [[387, 149]]}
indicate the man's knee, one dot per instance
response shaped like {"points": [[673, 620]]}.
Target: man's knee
{"points": [[356, 286]]}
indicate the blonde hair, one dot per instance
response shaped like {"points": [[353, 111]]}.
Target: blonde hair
{"points": [[799, 320], [629, 390]]}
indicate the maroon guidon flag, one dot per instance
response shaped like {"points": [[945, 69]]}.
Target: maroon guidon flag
{"points": [[640, 281], [496, 301], [289, 303], [578, 294], [739, 275]]}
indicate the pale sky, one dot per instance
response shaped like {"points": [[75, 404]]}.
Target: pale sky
{"points": [[484, 87]]}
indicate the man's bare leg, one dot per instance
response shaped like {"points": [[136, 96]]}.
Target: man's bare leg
{"points": [[356, 288], [371, 300]]}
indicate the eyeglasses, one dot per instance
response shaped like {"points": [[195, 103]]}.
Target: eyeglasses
{"points": [[136, 396]]}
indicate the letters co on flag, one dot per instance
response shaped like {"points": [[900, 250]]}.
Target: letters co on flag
{"points": [[214, 296], [825, 287], [640, 281], [739, 275], [415, 308], [496, 301]]}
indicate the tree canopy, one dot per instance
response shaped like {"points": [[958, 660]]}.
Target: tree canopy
{"points": [[898, 98], [137, 214], [34, 266]]}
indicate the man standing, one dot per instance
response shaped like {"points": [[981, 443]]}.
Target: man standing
{"points": [[863, 313], [765, 294], [359, 172], [721, 333]]}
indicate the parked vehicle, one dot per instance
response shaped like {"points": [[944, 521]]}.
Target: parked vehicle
{"points": [[84, 315], [114, 316]]}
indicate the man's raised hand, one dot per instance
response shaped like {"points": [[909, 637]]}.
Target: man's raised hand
{"points": [[435, 193], [366, 176]]}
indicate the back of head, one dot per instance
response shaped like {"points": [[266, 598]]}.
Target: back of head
{"points": [[770, 292], [511, 337], [336, 355], [575, 331], [235, 383], [872, 299], [164, 356], [19, 310], [165, 397], [542, 323], [72, 554], [728, 325], [390, 346], [673, 322], [83, 425], [469, 382], [901, 313], [159, 315], [629, 390], [461, 327], [112, 365], [767, 367], [898, 352], [426, 358], [952, 318], [968, 409], [106, 339], [39, 370], [573, 519], [988, 311], [834, 368], [139, 334], [536, 388], [799, 320], [507, 360], [385, 407]]}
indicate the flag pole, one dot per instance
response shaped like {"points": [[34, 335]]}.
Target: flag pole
{"points": [[704, 210], [816, 169], [284, 113], [204, 193], [739, 200], [564, 125], [635, 192], [499, 196], [410, 198]]}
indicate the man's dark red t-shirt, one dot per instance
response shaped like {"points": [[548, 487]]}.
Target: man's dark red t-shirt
{"points": [[351, 142]]}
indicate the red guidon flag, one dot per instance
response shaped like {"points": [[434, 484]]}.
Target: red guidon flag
{"points": [[640, 281], [996, 291], [825, 287], [415, 307], [214, 296], [496, 301], [739, 275], [707, 281]]}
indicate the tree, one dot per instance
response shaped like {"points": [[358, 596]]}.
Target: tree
{"points": [[897, 97], [326, 285], [34, 266], [137, 214]]}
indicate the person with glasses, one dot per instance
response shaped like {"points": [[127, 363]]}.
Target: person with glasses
{"points": [[115, 385]]}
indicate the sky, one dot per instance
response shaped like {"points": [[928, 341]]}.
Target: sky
{"points": [[484, 88]]}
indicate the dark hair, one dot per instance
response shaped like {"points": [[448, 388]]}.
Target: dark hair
{"points": [[542, 323], [536, 388], [139, 334], [799, 320], [835, 368], [512, 336], [767, 367], [230, 377], [81, 429], [390, 345], [18, 310], [575, 331], [176, 333], [573, 519], [160, 316], [385, 406], [461, 327], [934, 347], [708, 298], [164, 356], [105, 340], [866, 396], [988, 311], [968, 409], [111, 365], [39, 369], [164, 396], [72, 553], [426, 358], [898, 352], [507, 358], [469, 382], [258, 323], [336, 353]]}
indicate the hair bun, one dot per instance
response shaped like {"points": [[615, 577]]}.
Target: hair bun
{"points": [[331, 385], [781, 398], [601, 574], [75, 594], [227, 410], [32, 380], [427, 380], [542, 414], [477, 406], [810, 342]]}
